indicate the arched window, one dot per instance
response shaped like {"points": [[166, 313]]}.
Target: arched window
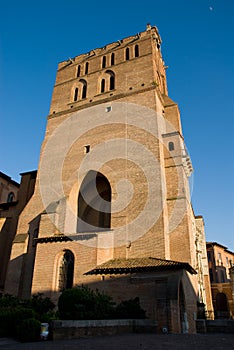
{"points": [[78, 71], [84, 91], [84, 88], [94, 203], [86, 67], [76, 94], [112, 82], [66, 271], [103, 85], [104, 62], [171, 146], [136, 50], [112, 59], [111, 79], [127, 54], [10, 197]]}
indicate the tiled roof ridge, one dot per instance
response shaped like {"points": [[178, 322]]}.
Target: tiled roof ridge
{"points": [[138, 263]]}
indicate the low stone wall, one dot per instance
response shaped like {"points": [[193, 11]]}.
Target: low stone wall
{"points": [[70, 329], [215, 326]]}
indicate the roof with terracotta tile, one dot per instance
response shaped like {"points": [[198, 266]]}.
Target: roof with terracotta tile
{"points": [[125, 266]]}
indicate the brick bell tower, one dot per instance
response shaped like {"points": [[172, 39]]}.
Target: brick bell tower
{"points": [[112, 185]]}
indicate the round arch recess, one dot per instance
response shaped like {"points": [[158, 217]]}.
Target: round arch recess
{"points": [[94, 203]]}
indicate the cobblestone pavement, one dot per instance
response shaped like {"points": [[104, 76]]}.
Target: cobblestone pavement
{"points": [[132, 342]]}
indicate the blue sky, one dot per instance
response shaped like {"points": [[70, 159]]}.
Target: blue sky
{"points": [[197, 46]]}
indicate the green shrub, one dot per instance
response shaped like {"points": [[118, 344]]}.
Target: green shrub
{"points": [[82, 303], [49, 316], [8, 300], [104, 307], [129, 309], [14, 310], [40, 304], [29, 330], [11, 317]]}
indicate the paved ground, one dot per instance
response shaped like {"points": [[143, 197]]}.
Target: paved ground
{"points": [[132, 342]]}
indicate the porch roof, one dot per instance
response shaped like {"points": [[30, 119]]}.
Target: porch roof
{"points": [[146, 264]]}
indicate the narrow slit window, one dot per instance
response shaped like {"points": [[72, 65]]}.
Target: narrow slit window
{"points": [[76, 94], [111, 79], [86, 67], [84, 91], [127, 54], [104, 62], [103, 85], [136, 50], [112, 82], [112, 58], [78, 71]]}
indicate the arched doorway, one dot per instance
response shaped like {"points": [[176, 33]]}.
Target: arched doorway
{"points": [[66, 271], [94, 203], [222, 310]]}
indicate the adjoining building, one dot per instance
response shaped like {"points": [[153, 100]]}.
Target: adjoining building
{"points": [[8, 189], [111, 207], [13, 198], [221, 270]]}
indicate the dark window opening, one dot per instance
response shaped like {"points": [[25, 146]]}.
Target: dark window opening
{"points": [[222, 276], [66, 271], [10, 197], [94, 203], [86, 67], [137, 51], [84, 89], [103, 85], [78, 71], [112, 82], [127, 54], [104, 62], [211, 275], [87, 148], [208, 256], [108, 109], [171, 146], [76, 94], [111, 79], [112, 59]]}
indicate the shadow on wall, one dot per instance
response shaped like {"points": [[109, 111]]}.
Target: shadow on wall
{"points": [[167, 297]]}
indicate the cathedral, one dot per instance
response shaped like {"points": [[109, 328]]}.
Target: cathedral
{"points": [[111, 208]]}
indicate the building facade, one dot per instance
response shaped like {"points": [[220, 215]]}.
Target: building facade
{"points": [[14, 197], [221, 263], [8, 189], [111, 206]]}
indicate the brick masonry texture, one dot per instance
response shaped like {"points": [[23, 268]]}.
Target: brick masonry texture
{"points": [[138, 81]]}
